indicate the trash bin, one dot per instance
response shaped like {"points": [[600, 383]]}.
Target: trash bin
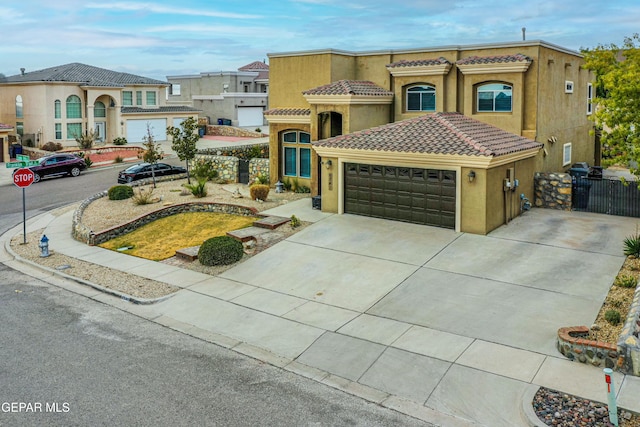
{"points": [[316, 202], [201, 131], [581, 188], [220, 122], [17, 149], [579, 170], [226, 122], [595, 172]]}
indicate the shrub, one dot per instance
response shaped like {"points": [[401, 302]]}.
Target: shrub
{"points": [[52, 146], [86, 158], [612, 316], [86, 140], [120, 192], [287, 184], [626, 281], [632, 245], [221, 250], [118, 159], [262, 179], [303, 189], [259, 192], [295, 221], [204, 169], [120, 141], [142, 197], [199, 189], [258, 130]]}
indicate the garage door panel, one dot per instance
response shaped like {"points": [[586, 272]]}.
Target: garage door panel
{"points": [[137, 129], [423, 196]]}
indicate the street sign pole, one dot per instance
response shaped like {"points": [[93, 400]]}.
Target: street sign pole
{"points": [[24, 219], [23, 178]]}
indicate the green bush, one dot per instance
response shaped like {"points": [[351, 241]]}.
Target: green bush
{"points": [[86, 158], [259, 192], [295, 221], [632, 245], [118, 159], [199, 189], [262, 179], [120, 192], [120, 141], [221, 250], [204, 169], [612, 316], [626, 281], [303, 189]]}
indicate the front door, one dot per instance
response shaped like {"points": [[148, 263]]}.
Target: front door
{"points": [[101, 131]]}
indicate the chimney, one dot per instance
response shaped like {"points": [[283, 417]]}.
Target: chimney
{"points": [[22, 71], [524, 29]]}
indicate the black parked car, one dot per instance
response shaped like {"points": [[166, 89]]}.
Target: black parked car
{"points": [[58, 165], [143, 171]]}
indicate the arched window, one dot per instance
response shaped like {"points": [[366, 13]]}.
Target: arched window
{"points": [[494, 97], [74, 107], [297, 154], [57, 109], [99, 109], [421, 98], [19, 112]]}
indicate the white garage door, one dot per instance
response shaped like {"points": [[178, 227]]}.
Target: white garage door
{"points": [[250, 116], [137, 130]]}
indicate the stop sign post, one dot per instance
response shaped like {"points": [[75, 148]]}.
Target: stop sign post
{"points": [[23, 178]]}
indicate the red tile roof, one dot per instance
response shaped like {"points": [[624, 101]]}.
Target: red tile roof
{"points": [[349, 87], [438, 133], [518, 57], [419, 62], [254, 66], [288, 112]]}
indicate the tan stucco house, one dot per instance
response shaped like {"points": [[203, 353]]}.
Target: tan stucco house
{"points": [[58, 103], [449, 136]]}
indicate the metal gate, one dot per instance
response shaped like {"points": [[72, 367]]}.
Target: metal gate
{"points": [[607, 196], [243, 171]]}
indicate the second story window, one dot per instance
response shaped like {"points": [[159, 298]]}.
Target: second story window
{"points": [[151, 98], [127, 98], [57, 109], [139, 98], [74, 107], [494, 97], [99, 110], [19, 112], [421, 98]]}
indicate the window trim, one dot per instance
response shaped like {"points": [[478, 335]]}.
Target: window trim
{"points": [[155, 98], [58, 131], [427, 89], [19, 107], [589, 99], [57, 109], [99, 106], [138, 98], [568, 86], [68, 104], [124, 98], [566, 154], [296, 147], [493, 99]]}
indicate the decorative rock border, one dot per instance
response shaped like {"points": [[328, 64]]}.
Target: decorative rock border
{"points": [[553, 190], [573, 345]]}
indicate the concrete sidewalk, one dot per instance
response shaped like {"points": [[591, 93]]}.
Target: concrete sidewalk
{"points": [[454, 329]]}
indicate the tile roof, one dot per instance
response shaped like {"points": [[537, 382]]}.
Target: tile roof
{"points": [[255, 66], [163, 109], [349, 87], [418, 63], [288, 112], [438, 133], [82, 74], [518, 57]]}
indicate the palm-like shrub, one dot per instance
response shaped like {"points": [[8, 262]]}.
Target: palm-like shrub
{"points": [[632, 245]]}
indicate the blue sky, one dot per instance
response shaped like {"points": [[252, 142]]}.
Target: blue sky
{"points": [[160, 37]]}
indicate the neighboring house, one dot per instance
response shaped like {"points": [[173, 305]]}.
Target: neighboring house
{"points": [[238, 96], [5, 130], [448, 136], [59, 103]]}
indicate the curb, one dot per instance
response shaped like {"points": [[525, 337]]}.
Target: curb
{"points": [[529, 415], [121, 295]]}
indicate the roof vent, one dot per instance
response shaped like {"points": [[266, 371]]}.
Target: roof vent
{"points": [[22, 71]]}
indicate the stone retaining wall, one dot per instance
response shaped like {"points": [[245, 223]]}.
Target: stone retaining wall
{"points": [[232, 131], [553, 190], [629, 342], [227, 166], [258, 167], [246, 152], [573, 344]]}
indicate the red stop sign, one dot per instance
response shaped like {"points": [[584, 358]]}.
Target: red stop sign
{"points": [[23, 177]]}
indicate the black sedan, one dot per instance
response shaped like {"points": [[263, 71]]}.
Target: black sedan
{"points": [[143, 171], [58, 165]]}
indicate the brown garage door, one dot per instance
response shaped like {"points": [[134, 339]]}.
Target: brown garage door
{"points": [[422, 196]]}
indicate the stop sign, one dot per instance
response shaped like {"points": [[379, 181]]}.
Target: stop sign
{"points": [[23, 177]]}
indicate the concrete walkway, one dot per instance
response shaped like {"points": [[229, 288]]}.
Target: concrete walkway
{"points": [[452, 328]]}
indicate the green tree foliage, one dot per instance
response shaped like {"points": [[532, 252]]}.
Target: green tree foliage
{"points": [[152, 152], [184, 139], [617, 113]]}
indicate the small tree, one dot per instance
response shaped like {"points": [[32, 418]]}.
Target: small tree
{"points": [[86, 140], [152, 152], [184, 139]]}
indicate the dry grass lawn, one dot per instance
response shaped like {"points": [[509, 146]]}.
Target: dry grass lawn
{"points": [[160, 239]]}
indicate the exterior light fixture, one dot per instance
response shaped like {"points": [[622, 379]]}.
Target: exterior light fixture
{"points": [[328, 164], [471, 175]]}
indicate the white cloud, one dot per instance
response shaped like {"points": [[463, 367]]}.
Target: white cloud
{"points": [[157, 8]]}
